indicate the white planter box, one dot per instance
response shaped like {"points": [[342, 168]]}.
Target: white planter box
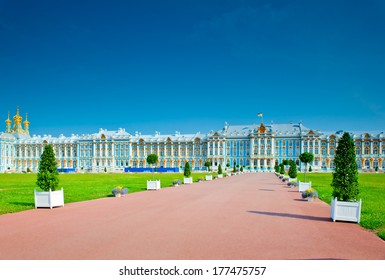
{"points": [[187, 180], [303, 186], [345, 210], [49, 199], [153, 185], [209, 177], [220, 175], [292, 180]]}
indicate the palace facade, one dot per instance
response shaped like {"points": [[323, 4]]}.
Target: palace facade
{"points": [[257, 147]]}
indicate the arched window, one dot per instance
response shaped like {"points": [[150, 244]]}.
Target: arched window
{"points": [[358, 151]]}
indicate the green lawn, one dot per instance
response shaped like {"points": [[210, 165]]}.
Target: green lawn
{"points": [[16, 190], [372, 193]]}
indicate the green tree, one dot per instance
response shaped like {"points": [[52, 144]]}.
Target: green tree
{"points": [[241, 169], [345, 175], [282, 169], [285, 162], [187, 170], [47, 176], [220, 169], [306, 158], [208, 164], [152, 159], [276, 168], [292, 169]]}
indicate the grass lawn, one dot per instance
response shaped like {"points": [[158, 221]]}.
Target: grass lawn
{"points": [[372, 193], [16, 190]]}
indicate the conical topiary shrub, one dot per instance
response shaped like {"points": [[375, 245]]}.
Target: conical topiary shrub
{"points": [[47, 176], [345, 175]]}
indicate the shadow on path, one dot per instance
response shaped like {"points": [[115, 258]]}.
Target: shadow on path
{"points": [[294, 216]]}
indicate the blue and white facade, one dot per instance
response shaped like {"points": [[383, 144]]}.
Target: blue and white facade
{"points": [[257, 147]]}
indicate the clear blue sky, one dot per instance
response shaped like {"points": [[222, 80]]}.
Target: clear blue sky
{"points": [[167, 65]]}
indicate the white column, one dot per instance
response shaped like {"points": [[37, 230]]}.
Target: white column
{"points": [[380, 151], [259, 148], [301, 146], [265, 143], [371, 147], [313, 147], [113, 156], [93, 154]]}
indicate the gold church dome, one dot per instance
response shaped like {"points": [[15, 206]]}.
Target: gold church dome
{"points": [[26, 122], [8, 122], [17, 118]]}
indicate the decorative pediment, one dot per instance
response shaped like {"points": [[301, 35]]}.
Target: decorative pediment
{"points": [[262, 128], [216, 134], [311, 132], [103, 136]]}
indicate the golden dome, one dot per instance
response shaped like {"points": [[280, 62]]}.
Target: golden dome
{"points": [[17, 118], [26, 122], [8, 122]]}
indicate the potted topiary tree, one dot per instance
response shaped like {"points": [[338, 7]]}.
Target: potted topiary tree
{"points": [[276, 168], [48, 181], [344, 205], [153, 184], [292, 172], [208, 164], [220, 172], [306, 158], [187, 173]]}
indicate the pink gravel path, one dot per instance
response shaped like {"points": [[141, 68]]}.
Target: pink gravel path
{"points": [[251, 216]]}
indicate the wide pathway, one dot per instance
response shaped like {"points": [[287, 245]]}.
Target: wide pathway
{"points": [[251, 216]]}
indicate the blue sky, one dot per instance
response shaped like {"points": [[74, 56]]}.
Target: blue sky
{"points": [[77, 66]]}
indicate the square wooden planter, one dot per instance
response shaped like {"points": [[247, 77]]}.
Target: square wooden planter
{"points": [[187, 180], [220, 176], [349, 211], [49, 199], [303, 186], [153, 185], [209, 177], [292, 180]]}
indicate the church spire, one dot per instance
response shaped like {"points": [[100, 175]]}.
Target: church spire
{"points": [[26, 124], [8, 124], [17, 119]]}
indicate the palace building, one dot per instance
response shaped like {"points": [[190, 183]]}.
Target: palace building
{"points": [[257, 147]]}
